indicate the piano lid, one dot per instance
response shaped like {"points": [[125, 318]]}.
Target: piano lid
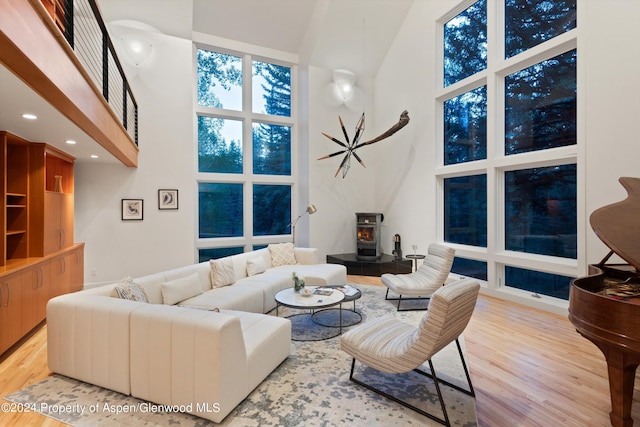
{"points": [[618, 224]]}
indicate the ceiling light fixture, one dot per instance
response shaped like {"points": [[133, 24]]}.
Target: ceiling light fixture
{"points": [[94, 156], [344, 91], [137, 50], [70, 141], [29, 116]]}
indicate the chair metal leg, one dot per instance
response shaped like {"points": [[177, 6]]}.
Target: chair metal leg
{"points": [[437, 381], [399, 299]]}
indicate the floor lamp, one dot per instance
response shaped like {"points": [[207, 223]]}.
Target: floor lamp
{"points": [[311, 209]]}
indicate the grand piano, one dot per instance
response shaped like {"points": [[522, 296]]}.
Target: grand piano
{"points": [[605, 306]]}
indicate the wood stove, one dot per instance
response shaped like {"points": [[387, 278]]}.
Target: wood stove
{"points": [[368, 235]]}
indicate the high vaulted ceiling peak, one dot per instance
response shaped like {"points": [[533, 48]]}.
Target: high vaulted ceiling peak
{"points": [[349, 34]]}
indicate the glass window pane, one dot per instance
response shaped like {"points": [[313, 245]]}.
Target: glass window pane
{"points": [[465, 210], [271, 149], [219, 145], [219, 210], [553, 285], [465, 43], [271, 89], [465, 127], [215, 253], [540, 105], [540, 211], [219, 80], [470, 268], [531, 22], [271, 209]]}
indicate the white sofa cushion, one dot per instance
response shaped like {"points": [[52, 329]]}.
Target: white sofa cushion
{"points": [[255, 266], [181, 289], [229, 298], [222, 273], [282, 254]]}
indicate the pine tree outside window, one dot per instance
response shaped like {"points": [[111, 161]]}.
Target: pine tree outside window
{"points": [[245, 171], [517, 227]]}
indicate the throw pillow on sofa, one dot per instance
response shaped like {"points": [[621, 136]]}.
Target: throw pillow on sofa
{"points": [[128, 289], [181, 289], [256, 266], [282, 254], [222, 273]]}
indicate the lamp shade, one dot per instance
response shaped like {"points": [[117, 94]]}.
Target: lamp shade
{"points": [[137, 50]]}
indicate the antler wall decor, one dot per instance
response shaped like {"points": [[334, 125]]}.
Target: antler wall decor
{"points": [[350, 147]]}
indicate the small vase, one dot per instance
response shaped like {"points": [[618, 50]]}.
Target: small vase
{"points": [[58, 185]]}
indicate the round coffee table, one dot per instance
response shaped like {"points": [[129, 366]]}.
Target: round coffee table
{"points": [[290, 298], [347, 317]]}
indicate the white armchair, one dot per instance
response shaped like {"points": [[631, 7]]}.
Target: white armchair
{"points": [[389, 345], [427, 279]]}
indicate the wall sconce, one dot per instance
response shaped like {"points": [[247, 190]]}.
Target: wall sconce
{"points": [[136, 50], [343, 91], [311, 209]]}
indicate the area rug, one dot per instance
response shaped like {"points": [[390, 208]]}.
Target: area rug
{"points": [[310, 388]]}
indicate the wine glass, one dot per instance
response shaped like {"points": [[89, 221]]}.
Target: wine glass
{"points": [[415, 248]]}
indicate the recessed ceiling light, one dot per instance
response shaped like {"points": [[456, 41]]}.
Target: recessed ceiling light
{"points": [[29, 116], [94, 156], [70, 141]]}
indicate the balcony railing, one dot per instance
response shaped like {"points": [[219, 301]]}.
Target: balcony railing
{"points": [[86, 33]]}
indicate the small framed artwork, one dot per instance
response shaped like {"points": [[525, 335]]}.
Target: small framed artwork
{"points": [[132, 209], [168, 199]]}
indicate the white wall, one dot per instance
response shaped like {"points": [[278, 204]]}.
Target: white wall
{"points": [[612, 90], [405, 183], [163, 239], [332, 228]]}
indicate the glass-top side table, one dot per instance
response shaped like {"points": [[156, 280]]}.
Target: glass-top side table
{"points": [[415, 258]]}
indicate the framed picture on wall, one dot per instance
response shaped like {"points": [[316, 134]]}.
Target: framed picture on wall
{"points": [[132, 209], [168, 199]]}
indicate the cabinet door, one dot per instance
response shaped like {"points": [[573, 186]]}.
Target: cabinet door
{"points": [[75, 261], [35, 294], [60, 276], [66, 220], [10, 310], [52, 212], [44, 292]]}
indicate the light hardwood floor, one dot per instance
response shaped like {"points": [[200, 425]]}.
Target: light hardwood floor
{"points": [[529, 368]]}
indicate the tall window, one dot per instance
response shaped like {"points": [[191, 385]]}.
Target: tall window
{"points": [[526, 99], [245, 133]]}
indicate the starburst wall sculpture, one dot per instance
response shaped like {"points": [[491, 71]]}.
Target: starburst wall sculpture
{"points": [[350, 147]]}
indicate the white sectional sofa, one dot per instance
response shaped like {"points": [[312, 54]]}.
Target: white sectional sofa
{"points": [[206, 352]]}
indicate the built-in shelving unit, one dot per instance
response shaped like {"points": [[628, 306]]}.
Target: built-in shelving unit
{"points": [[38, 257]]}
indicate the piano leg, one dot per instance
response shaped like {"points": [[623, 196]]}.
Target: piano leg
{"points": [[622, 373]]}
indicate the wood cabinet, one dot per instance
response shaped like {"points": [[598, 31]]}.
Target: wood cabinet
{"points": [[67, 272], [10, 310], [35, 294], [38, 257], [51, 220], [58, 221]]}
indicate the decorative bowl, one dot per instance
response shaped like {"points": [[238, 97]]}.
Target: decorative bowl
{"points": [[306, 292]]}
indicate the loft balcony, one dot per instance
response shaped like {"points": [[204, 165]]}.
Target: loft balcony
{"points": [[62, 51]]}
